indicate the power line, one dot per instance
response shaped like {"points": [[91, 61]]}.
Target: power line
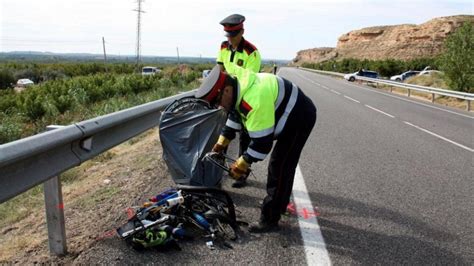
{"points": [[139, 12]]}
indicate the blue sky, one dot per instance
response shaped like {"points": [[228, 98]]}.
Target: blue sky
{"points": [[278, 28]]}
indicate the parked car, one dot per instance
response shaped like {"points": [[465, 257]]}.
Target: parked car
{"points": [[23, 83], [428, 72], [361, 73], [149, 70], [404, 75]]}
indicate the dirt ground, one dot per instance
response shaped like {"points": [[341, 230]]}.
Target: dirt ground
{"points": [[94, 196]]}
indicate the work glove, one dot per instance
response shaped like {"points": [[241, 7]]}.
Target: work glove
{"points": [[221, 144], [239, 169]]}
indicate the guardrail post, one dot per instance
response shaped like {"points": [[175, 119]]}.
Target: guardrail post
{"points": [[53, 198], [408, 92], [468, 107], [432, 97]]}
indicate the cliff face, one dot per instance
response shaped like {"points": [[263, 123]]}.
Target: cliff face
{"points": [[397, 42]]}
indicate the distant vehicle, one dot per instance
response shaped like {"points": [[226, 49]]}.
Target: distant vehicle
{"points": [[361, 73], [205, 73], [23, 83], [149, 70], [428, 72], [404, 75]]}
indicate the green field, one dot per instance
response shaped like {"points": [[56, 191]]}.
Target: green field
{"points": [[65, 93]]}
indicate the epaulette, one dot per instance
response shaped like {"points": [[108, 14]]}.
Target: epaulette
{"points": [[224, 45], [248, 47]]}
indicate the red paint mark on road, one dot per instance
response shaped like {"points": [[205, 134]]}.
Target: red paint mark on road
{"points": [[304, 212]]}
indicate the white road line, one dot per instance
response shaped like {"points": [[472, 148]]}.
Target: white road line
{"points": [[314, 245], [438, 136], [382, 112], [354, 100], [338, 93]]}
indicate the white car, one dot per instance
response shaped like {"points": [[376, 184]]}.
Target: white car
{"points": [[429, 72], [404, 75], [362, 73], [149, 70]]}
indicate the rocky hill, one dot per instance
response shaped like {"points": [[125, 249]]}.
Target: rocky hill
{"points": [[403, 42]]}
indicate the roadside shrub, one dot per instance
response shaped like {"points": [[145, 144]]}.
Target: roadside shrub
{"points": [[6, 79], [33, 106], [10, 128], [458, 59], [7, 101]]}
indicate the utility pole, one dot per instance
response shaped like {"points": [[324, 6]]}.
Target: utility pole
{"points": [[105, 55], [177, 52], [139, 13]]}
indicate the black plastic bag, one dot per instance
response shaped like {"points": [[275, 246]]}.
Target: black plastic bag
{"points": [[189, 128]]}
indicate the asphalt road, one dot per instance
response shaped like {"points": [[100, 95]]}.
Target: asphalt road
{"points": [[391, 178], [389, 192]]}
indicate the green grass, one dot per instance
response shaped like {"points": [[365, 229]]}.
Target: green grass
{"points": [[19, 207], [435, 80]]}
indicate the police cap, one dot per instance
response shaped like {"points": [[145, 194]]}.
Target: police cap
{"points": [[233, 24], [212, 85]]}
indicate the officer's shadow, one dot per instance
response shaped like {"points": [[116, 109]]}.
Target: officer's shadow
{"points": [[373, 247], [362, 244]]}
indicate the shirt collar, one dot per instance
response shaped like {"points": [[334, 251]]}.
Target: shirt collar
{"points": [[240, 47]]}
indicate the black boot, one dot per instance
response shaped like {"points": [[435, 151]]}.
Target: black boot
{"points": [[263, 227]]}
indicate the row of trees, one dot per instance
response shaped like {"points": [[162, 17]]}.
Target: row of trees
{"points": [[457, 61], [58, 96], [10, 72], [64, 101]]}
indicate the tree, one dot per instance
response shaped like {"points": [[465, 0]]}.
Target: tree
{"points": [[457, 61], [6, 79]]}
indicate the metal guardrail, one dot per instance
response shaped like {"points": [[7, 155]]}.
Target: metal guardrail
{"points": [[455, 94], [38, 159]]}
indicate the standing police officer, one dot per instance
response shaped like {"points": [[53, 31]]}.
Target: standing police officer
{"points": [[269, 108], [237, 53]]}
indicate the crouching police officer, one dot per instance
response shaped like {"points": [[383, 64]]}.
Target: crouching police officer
{"points": [[269, 108]]}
